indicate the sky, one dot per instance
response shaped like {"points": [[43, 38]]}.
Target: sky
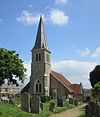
{"points": [[72, 29]]}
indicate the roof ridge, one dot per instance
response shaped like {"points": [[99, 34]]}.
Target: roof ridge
{"points": [[62, 76]]}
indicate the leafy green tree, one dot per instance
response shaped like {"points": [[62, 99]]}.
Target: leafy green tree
{"points": [[97, 87], [95, 76], [11, 65]]}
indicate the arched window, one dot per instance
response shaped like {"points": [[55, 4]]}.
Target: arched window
{"points": [[38, 57], [38, 87]]}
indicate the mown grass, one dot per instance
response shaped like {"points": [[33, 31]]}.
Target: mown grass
{"points": [[46, 112], [8, 110], [65, 107]]}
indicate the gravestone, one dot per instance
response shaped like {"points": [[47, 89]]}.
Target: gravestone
{"points": [[60, 101], [35, 104], [25, 101]]}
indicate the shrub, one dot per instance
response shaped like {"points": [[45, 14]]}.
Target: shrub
{"points": [[88, 98], [45, 98]]}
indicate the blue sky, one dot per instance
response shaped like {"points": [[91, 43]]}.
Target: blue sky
{"points": [[72, 28]]}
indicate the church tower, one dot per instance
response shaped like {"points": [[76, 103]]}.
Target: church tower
{"points": [[40, 66]]}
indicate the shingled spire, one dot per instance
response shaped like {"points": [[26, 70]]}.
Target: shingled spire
{"points": [[41, 41]]}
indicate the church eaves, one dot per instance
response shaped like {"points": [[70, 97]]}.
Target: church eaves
{"points": [[41, 41]]}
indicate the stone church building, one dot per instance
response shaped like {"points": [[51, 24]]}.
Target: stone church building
{"points": [[44, 81]]}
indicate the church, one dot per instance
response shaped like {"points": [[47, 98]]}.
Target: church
{"points": [[44, 81]]}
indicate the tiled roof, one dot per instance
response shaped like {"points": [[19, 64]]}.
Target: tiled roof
{"points": [[62, 80], [73, 88], [77, 88]]}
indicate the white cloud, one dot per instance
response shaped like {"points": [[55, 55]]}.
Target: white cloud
{"points": [[96, 53], [84, 53], [58, 17], [55, 16], [27, 18], [28, 72], [59, 2], [28, 67], [75, 71]]}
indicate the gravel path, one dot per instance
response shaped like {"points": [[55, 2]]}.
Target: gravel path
{"points": [[71, 112]]}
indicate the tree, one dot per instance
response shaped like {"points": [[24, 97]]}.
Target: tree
{"points": [[11, 65], [95, 76], [96, 90], [97, 87]]}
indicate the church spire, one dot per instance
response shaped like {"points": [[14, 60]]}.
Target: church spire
{"points": [[41, 41]]}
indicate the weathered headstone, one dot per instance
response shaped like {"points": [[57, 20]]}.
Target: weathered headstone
{"points": [[35, 104], [25, 102], [60, 101]]}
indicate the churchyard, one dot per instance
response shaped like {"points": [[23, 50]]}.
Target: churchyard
{"points": [[14, 109]]}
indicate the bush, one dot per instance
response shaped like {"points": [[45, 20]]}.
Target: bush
{"points": [[45, 98], [88, 98]]}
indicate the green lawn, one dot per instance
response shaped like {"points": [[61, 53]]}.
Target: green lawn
{"points": [[46, 112], [8, 110]]}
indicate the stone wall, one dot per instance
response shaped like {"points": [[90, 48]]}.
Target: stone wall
{"points": [[38, 70], [60, 89]]}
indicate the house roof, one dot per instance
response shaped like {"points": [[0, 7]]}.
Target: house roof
{"points": [[9, 86], [77, 88], [25, 89], [62, 80]]}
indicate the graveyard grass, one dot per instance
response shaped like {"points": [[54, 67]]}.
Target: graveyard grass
{"points": [[8, 110], [46, 112]]}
